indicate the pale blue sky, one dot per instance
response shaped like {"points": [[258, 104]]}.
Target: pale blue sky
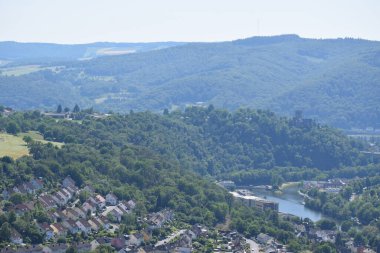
{"points": [[81, 21]]}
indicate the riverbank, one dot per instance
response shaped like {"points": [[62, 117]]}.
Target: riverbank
{"points": [[288, 184]]}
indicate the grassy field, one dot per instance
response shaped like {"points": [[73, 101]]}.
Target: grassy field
{"points": [[15, 147], [20, 70], [26, 69], [12, 146]]}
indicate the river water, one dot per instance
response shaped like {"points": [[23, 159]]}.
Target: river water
{"points": [[289, 202]]}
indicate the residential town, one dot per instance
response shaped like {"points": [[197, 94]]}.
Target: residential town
{"points": [[98, 219], [97, 213], [329, 186]]}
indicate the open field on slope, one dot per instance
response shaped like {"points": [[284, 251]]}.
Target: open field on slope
{"points": [[20, 70], [26, 69], [15, 147]]}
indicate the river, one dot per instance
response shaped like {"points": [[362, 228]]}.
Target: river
{"points": [[289, 202]]}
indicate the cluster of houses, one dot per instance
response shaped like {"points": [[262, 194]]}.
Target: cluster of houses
{"points": [[69, 116], [7, 111], [68, 216], [58, 115], [157, 220], [31, 187], [180, 241], [51, 248], [317, 235], [350, 247], [330, 186], [230, 241], [65, 212], [268, 244]]}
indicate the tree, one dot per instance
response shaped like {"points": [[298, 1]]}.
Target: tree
{"points": [[347, 192], [12, 217], [76, 109], [325, 248], [339, 240], [359, 240], [27, 139], [5, 232], [104, 249], [16, 198], [7, 159], [13, 128], [294, 246], [61, 240], [326, 224], [71, 249], [59, 109], [346, 225], [67, 109], [83, 196]]}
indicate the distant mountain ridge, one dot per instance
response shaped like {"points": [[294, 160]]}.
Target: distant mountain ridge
{"points": [[16, 51], [335, 81]]}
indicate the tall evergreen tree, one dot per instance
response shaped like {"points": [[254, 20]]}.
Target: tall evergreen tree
{"points": [[76, 109], [59, 109]]}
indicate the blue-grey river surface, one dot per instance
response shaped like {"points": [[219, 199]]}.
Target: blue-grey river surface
{"points": [[289, 202]]}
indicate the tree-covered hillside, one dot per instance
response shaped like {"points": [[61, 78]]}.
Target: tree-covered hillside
{"points": [[210, 141], [172, 161], [334, 81]]}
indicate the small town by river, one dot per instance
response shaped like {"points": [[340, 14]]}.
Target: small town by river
{"points": [[290, 201]]}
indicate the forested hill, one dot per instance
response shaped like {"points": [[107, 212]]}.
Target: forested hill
{"points": [[170, 160], [207, 140], [334, 80], [18, 53]]}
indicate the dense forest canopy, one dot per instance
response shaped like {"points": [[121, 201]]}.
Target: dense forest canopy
{"points": [[333, 81], [208, 141]]}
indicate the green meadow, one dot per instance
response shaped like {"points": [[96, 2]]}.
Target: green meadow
{"points": [[15, 147]]}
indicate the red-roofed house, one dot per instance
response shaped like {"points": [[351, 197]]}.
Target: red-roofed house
{"points": [[59, 229], [101, 202]]}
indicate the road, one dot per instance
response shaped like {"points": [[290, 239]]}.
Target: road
{"points": [[169, 238], [253, 245]]}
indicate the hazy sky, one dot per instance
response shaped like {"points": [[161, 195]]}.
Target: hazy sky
{"points": [[80, 21]]}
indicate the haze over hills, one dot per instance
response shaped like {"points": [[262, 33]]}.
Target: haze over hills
{"points": [[335, 81], [16, 52]]}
